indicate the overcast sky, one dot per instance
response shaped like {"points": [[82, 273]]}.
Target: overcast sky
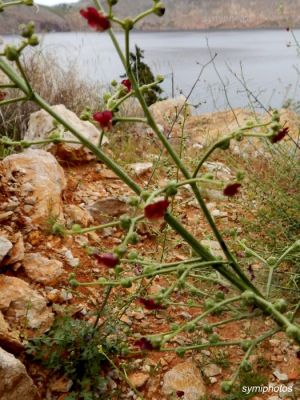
{"points": [[53, 2]]}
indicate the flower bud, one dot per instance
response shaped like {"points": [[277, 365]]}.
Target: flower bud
{"points": [[226, 386], [73, 283], [214, 338], [246, 366], [133, 255], [293, 332], [27, 30], [224, 144], [128, 24], [126, 283], [159, 9], [171, 189], [208, 328], [248, 296], [134, 238], [76, 228], [208, 304], [271, 261], [11, 53], [33, 41], [133, 201], [281, 305], [160, 78], [121, 250], [180, 352], [246, 344], [112, 2], [125, 222]]}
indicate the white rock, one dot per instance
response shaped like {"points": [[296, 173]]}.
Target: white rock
{"points": [[165, 110], [23, 304], [280, 376], [71, 260], [140, 168], [16, 254], [77, 215], [104, 209], [138, 379], [42, 269], [5, 247], [214, 247], [41, 126], [15, 383], [9, 340], [42, 172], [187, 378], [212, 370]]}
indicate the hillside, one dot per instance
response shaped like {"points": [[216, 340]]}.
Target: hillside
{"points": [[182, 14]]}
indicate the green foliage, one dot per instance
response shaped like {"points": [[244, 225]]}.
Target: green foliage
{"points": [[144, 76], [72, 349]]}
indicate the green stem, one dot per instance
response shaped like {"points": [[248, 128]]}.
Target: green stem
{"points": [[11, 101], [130, 119], [201, 251], [143, 15]]}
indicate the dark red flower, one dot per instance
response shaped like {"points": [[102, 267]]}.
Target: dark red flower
{"points": [[150, 304], [156, 210], [232, 189], [104, 118], [251, 272], [298, 354], [144, 344], [110, 260], [95, 19], [223, 289], [180, 393], [2, 95], [127, 84], [280, 135]]}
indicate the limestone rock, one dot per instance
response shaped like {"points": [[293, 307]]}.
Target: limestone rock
{"points": [[38, 174], [212, 370], [20, 304], [5, 247], [9, 340], [280, 376], [140, 169], [16, 254], [166, 110], [214, 247], [15, 383], [186, 378], [138, 379], [41, 126], [219, 170], [42, 269], [105, 209], [77, 215]]}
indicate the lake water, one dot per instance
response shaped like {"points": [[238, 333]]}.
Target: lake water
{"points": [[269, 64]]}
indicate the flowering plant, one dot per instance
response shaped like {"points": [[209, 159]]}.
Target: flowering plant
{"points": [[157, 206]]}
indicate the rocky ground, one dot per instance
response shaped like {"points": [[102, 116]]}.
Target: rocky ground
{"points": [[63, 186]]}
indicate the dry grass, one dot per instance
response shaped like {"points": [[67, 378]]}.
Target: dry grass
{"points": [[56, 85]]}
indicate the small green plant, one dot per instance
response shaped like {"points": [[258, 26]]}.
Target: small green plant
{"points": [[71, 348]]}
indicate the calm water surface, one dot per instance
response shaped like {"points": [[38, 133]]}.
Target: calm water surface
{"points": [[269, 65]]}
